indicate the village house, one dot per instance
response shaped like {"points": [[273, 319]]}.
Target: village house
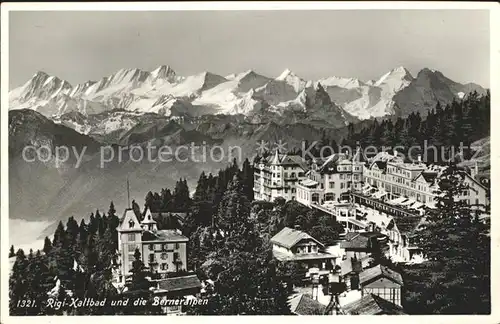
{"points": [[162, 251], [383, 282], [401, 230], [360, 245], [294, 245]]}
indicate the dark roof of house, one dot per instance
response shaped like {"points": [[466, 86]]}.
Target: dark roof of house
{"points": [[381, 164], [288, 237], [380, 270], [372, 305], [429, 177], [179, 283], [406, 224], [164, 235], [292, 160], [363, 240], [284, 159], [304, 305]]}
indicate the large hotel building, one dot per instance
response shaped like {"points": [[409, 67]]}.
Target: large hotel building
{"points": [[385, 177]]}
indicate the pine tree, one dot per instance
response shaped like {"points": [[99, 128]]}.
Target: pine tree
{"points": [[72, 230], [39, 280], [17, 284], [47, 245], [11, 252], [59, 236]]}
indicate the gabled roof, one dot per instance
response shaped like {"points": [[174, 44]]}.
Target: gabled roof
{"points": [[293, 160], [179, 283], [148, 218], [128, 216], [284, 159], [372, 305], [304, 305], [429, 177], [288, 237], [406, 224], [379, 271]]}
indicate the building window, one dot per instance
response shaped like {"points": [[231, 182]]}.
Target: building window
{"points": [[176, 256], [131, 224], [177, 246], [164, 266], [151, 257], [164, 256], [151, 247], [131, 237]]}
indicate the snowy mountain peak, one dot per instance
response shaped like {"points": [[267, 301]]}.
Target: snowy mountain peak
{"points": [[246, 74], [163, 72], [292, 79], [40, 74], [394, 80], [285, 74]]}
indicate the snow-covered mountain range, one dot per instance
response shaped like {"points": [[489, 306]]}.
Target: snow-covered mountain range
{"points": [[333, 101]]}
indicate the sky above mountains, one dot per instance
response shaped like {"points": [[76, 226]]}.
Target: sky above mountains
{"points": [[81, 46]]}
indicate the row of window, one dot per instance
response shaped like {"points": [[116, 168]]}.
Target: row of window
{"points": [[163, 247]]}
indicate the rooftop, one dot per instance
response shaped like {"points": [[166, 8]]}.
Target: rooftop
{"points": [[179, 283], [288, 237], [379, 270], [406, 224], [372, 305], [303, 304]]}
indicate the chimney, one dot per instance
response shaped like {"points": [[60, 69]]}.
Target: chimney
{"points": [[395, 153], [474, 171], [419, 158]]}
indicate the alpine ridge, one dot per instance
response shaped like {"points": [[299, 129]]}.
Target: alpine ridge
{"points": [[283, 99]]}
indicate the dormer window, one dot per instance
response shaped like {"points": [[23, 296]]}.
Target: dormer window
{"points": [[131, 224]]}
